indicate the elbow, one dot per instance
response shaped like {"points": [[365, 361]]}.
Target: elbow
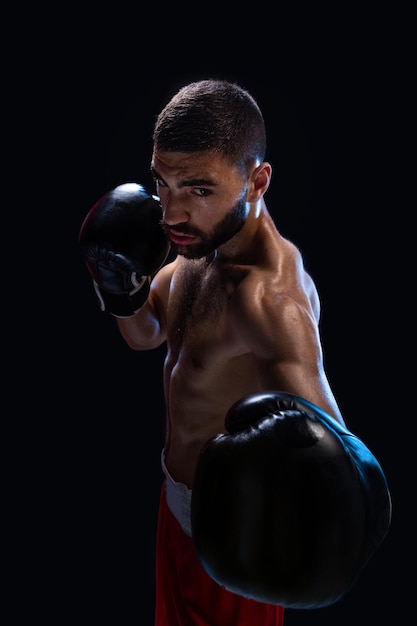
{"points": [[137, 339]]}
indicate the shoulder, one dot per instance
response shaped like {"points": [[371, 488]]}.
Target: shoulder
{"points": [[273, 307], [277, 305], [161, 282], [278, 284]]}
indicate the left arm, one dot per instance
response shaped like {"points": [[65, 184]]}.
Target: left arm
{"points": [[283, 336]]}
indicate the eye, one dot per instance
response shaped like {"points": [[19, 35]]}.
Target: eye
{"points": [[156, 179], [202, 191]]}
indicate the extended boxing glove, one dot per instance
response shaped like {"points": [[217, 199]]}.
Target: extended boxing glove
{"points": [[289, 506], [123, 245]]}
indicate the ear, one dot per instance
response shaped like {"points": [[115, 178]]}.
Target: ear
{"points": [[259, 181]]}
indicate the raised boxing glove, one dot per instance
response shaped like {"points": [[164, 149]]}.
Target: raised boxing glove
{"points": [[123, 244], [289, 506]]}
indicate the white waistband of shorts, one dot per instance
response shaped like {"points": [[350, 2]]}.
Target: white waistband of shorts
{"points": [[178, 498]]}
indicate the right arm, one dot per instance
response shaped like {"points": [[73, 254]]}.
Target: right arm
{"points": [[147, 329], [125, 249]]}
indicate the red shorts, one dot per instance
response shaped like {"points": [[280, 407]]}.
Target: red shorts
{"points": [[185, 593]]}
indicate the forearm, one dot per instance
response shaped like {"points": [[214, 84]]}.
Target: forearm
{"points": [[142, 331]]}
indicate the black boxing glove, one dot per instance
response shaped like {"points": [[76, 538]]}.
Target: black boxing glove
{"points": [[288, 507], [123, 244]]}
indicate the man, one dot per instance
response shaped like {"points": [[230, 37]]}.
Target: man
{"points": [[236, 309]]}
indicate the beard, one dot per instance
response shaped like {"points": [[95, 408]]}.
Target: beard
{"points": [[227, 228]]}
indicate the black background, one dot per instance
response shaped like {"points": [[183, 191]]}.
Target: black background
{"points": [[334, 91]]}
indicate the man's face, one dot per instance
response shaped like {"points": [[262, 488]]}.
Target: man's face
{"points": [[203, 199]]}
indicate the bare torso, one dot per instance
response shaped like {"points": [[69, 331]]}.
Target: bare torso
{"points": [[211, 362], [207, 366]]}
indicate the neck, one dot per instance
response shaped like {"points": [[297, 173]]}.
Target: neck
{"points": [[242, 244], [211, 257]]}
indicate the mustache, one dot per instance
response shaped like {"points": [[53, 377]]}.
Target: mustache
{"points": [[180, 229]]}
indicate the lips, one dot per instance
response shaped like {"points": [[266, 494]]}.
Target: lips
{"points": [[180, 239]]}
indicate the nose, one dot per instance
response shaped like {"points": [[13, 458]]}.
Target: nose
{"points": [[174, 210]]}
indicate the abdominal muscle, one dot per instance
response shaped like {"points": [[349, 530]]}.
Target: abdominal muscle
{"points": [[207, 369], [197, 403]]}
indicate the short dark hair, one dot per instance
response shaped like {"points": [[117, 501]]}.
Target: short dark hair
{"points": [[213, 115]]}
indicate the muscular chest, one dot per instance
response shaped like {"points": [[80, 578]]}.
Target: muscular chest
{"points": [[199, 309]]}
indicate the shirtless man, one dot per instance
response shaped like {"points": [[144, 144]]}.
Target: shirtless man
{"points": [[236, 309]]}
